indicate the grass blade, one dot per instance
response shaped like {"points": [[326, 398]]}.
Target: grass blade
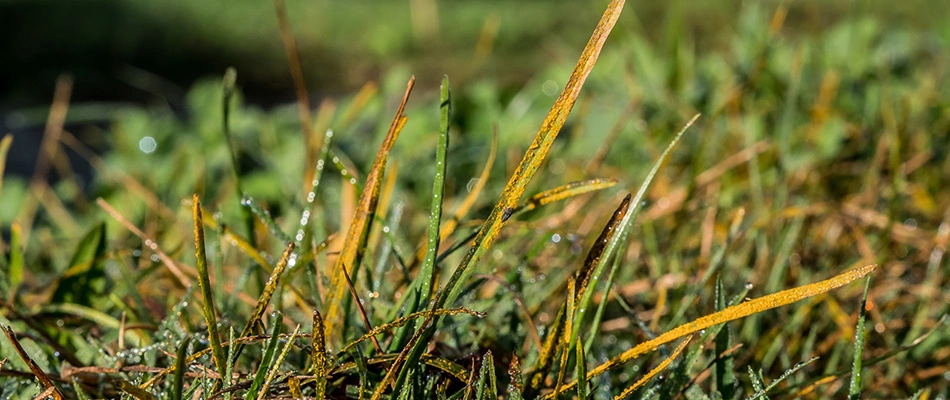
{"points": [[272, 374], [515, 188], [487, 385], [438, 190], [563, 192], [266, 295], [732, 313], [267, 360], [16, 258], [725, 366], [34, 368], [659, 368], [356, 235], [204, 282], [762, 392], [264, 215], [4, 149], [178, 379], [516, 383], [229, 82], [854, 389], [318, 355], [580, 371]]}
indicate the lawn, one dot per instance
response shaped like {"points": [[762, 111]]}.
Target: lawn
{"points": [[748, 201]]}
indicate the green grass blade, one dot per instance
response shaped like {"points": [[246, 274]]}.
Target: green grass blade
{"points": [[854, 389], [178, 379], [763, 391], [487, 385], [725, 366], [204, 282], [438, 190], [227, 379], [268, 359], [272, 374]]}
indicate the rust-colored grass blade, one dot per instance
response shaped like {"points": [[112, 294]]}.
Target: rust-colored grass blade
{"points": [[731, 313], [318, 355], [596, 252], [515, 187], [266, 295], [204, 283], [565, 191], [653, 372], [358, 231], [34, 368], [272, 373]]}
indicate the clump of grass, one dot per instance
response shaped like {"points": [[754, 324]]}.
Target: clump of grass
{"points": [[721, 209]]}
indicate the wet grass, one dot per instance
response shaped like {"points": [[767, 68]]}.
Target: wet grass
{"points": [[770, 177]]}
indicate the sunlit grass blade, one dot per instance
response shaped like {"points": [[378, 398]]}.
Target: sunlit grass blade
{"points": [[565, 340], [516, 185], [272, 374], [854, 389], [204, 282], [731, 313], [653, 372], [267, 360], [487, 385], [266, 294], [178, 379], [356, 235], [318, 356], [226, 378], [34, 368], [563, 192]]}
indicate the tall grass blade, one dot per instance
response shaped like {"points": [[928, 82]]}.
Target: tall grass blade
{"points": [[356, 235], [16, 259], [515, 187], [725, 366], [580, 371], [731, 313], [854, 389], [763, 391], [264, 216], [204, 282], [438, 190]]}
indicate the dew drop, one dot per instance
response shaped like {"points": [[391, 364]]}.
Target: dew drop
{"points": [[748, 285]]}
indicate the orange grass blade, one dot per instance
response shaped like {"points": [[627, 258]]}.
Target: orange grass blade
{"points": [[366, 209], [732, 313], [34, 368]]}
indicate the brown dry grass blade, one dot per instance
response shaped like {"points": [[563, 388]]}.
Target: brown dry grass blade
{"points": [[319, 355], [204, 283], [40, 375], [732, 313], [356, 235]]}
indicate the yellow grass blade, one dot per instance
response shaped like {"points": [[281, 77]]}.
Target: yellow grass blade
{"points": [[353, 244], [659, 368], [732, 313]]}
